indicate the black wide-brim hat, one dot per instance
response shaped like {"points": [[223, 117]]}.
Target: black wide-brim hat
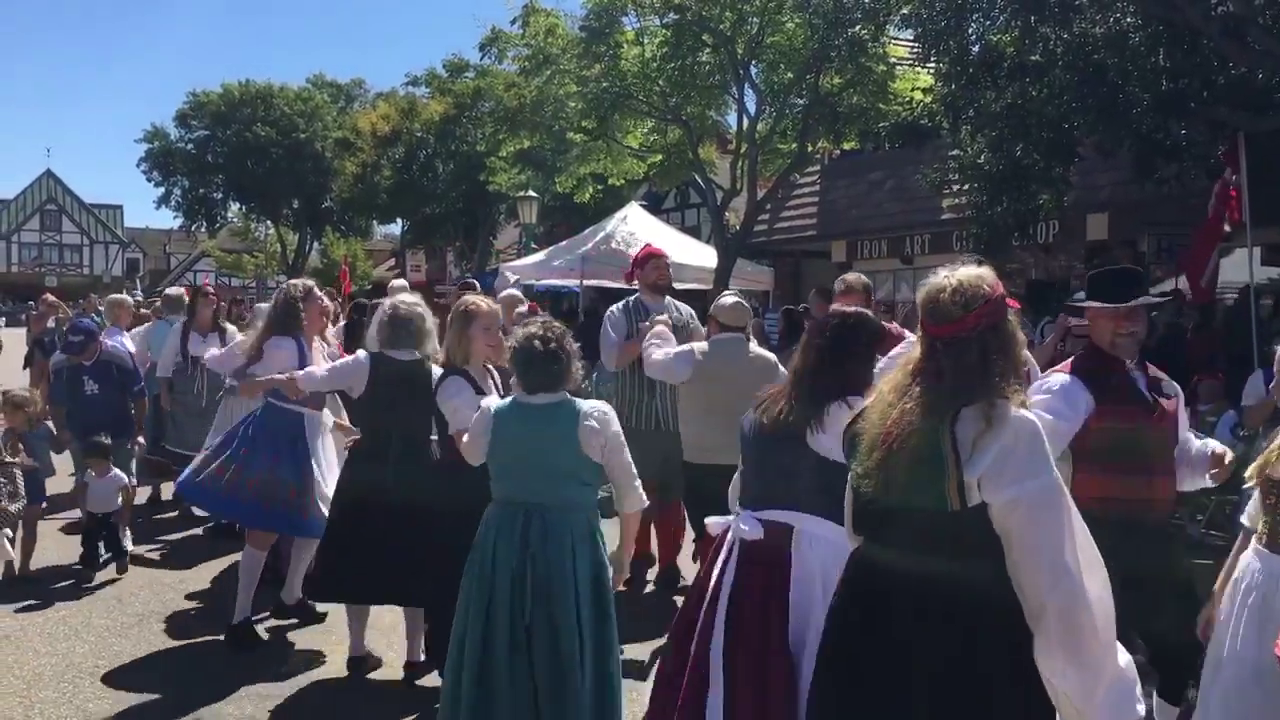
{"points": [[1116, 286]]}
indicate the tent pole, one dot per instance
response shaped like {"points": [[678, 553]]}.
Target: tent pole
{"points": [[582, 279], [1248, 243]]}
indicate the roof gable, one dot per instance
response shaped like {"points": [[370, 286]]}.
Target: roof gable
{"points": [[46, 188]]}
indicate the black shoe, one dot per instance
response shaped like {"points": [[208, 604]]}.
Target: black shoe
{"points": [[667, 579], [304, 611], [243, 636], [363, 665], [639, 574], [155, 498], [415, 670]]}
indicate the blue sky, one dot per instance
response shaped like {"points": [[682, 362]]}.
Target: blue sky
{"points": [[85, 78]]}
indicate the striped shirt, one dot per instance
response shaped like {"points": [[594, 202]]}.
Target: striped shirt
{"points": [[641, 402]]}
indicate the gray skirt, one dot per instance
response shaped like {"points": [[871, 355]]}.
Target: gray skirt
{"points": [[194, 397]]}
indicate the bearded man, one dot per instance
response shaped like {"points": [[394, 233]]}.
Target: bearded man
{"points": [[1131, 452], [648, 410]]}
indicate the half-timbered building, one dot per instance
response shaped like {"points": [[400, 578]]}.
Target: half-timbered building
{"points": [[53, 240]]}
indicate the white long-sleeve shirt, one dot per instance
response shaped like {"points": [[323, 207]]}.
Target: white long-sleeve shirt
{"points": [[351, 373], [458, 401], [1053, 562], [1062, 403], [197, 346], [667, 361], [613, 330], [599, 435]]}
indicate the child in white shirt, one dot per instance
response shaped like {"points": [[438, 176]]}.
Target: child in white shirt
{"points": [[106, 497]]}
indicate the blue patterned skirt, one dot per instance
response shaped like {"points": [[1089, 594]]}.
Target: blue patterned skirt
{"points": [[273, 471]]}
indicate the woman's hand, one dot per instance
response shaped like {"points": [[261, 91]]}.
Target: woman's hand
{"points": [[1204, 621], [620, 568], [253, 387]]}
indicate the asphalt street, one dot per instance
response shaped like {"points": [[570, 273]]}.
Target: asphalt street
{"points": [[147, 646]]}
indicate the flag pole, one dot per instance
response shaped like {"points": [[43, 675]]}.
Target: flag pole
{"points": [[1248, 242]]}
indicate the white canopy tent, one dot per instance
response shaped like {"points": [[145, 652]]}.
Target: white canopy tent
{"points": [[601, 255]]}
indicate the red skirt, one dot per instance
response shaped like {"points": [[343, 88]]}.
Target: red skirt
{"points": [[757, 666]]}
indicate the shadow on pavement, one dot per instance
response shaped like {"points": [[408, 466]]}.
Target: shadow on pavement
{"points": [[188, 678], [49, 586], [184, 552], [359, 698], [643, 617], [211, 612]]}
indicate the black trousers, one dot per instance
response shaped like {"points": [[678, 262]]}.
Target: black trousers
{"points": [[706, 494], [1156, 599], [100, 529]]}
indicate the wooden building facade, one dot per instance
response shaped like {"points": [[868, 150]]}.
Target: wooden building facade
{"points": [[53, 240], [876, 213]]}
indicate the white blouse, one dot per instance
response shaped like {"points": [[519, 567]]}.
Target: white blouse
{"points": [[351, 373], [1062, 403], [279, 355], [458, 401], [599, 435], [197, 346], [1055, 566]]}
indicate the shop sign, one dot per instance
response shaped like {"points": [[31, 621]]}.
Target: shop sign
{"points": [[944, 242]]}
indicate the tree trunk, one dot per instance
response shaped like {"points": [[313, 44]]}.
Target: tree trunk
{"points": [[484, 253], [726, 246]]}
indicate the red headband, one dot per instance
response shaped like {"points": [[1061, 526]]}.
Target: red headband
{"points": [[992, 310], [642, 258]]}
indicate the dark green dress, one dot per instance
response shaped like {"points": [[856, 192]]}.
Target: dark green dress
{"points": [[535, 635]]}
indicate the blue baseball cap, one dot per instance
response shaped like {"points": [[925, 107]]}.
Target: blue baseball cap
{"points": [[79, 335]]}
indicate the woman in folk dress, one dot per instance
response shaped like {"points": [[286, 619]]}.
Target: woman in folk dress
{"points": [[373, 552], [273, 473], [1241, 678], [744, 641], [975, 588], [536, 635], [189, 393], [473, 347]]}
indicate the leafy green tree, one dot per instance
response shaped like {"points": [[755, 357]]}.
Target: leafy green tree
{"points": [[445, 155], [1022, 88], [327, 268], [273, 151], [738, 95]]}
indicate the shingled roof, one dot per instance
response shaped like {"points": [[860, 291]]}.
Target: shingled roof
{"points": [[859, 195]]}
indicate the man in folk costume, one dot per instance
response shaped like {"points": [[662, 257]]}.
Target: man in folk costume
{"points": [[719, 379], [647, 408], [1131, 452]]}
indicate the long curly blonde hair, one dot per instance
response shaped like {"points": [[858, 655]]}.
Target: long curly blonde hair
{"points": [[941, 376]]}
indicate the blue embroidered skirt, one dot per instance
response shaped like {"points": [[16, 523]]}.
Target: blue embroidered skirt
{"points": [[273, 471]]}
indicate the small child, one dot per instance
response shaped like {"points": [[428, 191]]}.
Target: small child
{"points": [[31, 441], [106, 498]]}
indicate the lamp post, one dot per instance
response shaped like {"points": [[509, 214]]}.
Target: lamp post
{"points": [[527, 206]]}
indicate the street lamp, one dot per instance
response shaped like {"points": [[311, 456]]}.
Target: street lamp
{"points": [[527, 206]]}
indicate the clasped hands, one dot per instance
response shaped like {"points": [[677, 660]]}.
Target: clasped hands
{"points": [[286, 383]]}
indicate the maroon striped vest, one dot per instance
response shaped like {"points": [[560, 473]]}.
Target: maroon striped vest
{"points": [[1123, 456]]}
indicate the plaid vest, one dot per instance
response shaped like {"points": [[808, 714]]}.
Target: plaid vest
{"points": [[641, 402], [1122, 458]]}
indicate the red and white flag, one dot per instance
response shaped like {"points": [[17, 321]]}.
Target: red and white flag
{"points": [[1200, 262]]}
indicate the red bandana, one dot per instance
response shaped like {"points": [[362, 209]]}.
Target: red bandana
{"points": [[994, 309], [642, 258]]}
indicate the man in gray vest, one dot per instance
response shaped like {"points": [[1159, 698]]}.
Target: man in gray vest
{"points": [[647, 410], [719, 379]]}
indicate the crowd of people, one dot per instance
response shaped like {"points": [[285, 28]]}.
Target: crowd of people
{"points": [[887, 523]]}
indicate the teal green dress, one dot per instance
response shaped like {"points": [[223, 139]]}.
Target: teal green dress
{"points": [[535, 635]]}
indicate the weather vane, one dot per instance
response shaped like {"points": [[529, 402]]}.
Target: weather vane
{"points": [[48, 156]]}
